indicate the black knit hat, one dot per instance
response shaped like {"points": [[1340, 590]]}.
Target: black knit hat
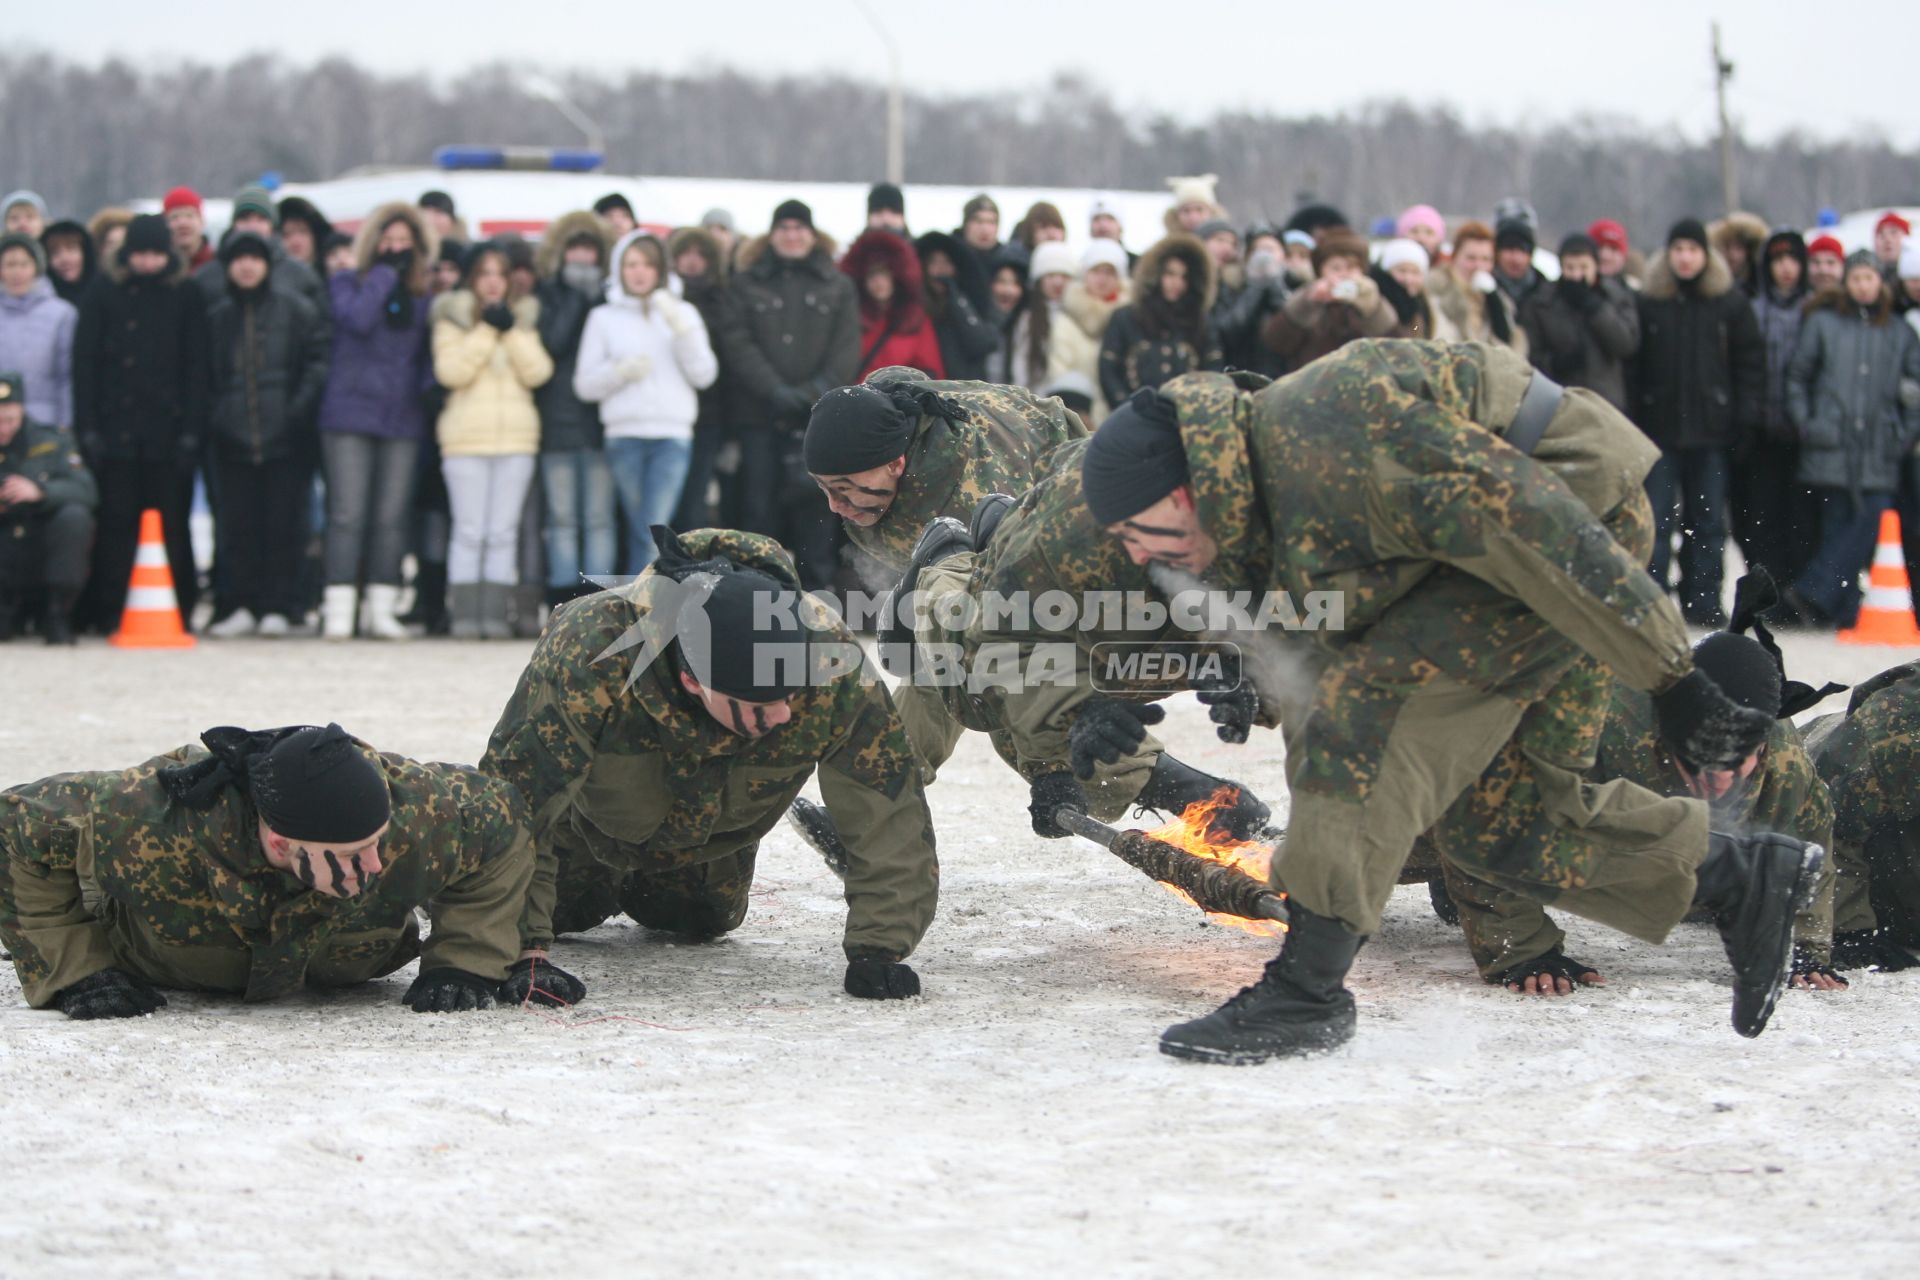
{"points": [[855, 429], [1134, 459], [34, 249], [1688, 229], [147, 233], [885, 195], [1578, 244], [614, 200], [1512, 233], [244, 244], [794, 209], [437, 200], [307, 783]]}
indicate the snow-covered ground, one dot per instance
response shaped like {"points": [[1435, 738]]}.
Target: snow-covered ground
{"points": [[725, 1110]]}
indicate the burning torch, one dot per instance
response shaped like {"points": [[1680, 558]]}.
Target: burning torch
{"points": [[1221, 887]]}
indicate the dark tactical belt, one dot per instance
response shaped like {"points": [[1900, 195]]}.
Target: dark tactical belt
{"points": [[1537, 407]]}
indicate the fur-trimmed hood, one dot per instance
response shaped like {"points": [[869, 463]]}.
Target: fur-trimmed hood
{"points": [[751, 252], [1089, 311], [1661, 286], [880, 249], [702, 239], [1201, 276], [367, 239], [1749, 229], [1838, 301], [562, 230], [461, 308]]}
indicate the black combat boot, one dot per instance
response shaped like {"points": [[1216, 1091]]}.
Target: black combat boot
{"points": [[1442, 899], [1299, 1006], [816, 827], [59, 623], [1754, 885], [1174, 784]]}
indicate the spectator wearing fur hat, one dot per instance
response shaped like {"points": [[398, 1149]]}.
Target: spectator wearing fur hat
{"points": [[1844, 391], [1468, 303], [1423, 225], [1343, 303], [1194, 202], [576, 482], [269, 350], [1889, 237], [23, 213], [1826, 263], [1773, 513], [1401, 275], [1053, 338], [1699, 379], [303, 232], [36, 330], [894, 328], [1738, 238], [1583, 329], [1610, 240], [1513, 269], [140, 379], [108, 227], [70, 258], [187, 227], [1166, 330]]}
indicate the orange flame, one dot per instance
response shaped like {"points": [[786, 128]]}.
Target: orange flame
{"points": [[1190, 833]]}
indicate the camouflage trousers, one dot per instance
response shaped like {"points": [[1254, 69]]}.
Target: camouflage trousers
{"points": [[703, 899], [1461, 713]]}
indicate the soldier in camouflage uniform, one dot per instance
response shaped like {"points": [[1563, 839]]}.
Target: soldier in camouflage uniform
{"points": [[1869, 757], [1488, 588], [1513, 940], [901, 449], [652, 776], [47, 501], [267, 861]]}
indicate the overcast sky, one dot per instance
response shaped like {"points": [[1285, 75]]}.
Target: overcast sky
{"points": [[1832, 69]]}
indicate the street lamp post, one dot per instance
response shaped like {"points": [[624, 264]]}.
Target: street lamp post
{"points": [[896, 112]]}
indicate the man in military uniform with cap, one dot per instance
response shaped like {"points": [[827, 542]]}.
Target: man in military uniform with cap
{"points": [[900, 449], [47, 501], [1775, 788], [662, 729], [1869, 757], [266, 861], [1488, 533]]}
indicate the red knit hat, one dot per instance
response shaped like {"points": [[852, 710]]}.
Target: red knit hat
{"points": [[180, 198], [1605, 231], [1890, 218], [1826, 244]]}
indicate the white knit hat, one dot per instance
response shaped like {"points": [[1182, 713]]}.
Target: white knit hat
{"points": [[1395, 252], [1111, 252], [1052, 257]]}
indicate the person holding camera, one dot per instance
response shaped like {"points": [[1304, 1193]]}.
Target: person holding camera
{"points": [[1342, 304]]}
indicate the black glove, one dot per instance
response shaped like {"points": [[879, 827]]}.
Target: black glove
{"points": [[792, 401], [399, 260], [1704, 727], [877, 978], [450, 991], [499, 315], [1870, 949], [535, 981], [1555, 964], [110, 993], [1107, 730], [399, 305], [1805, 966], [1233, 701], [1581, 296], [1050, 793]]}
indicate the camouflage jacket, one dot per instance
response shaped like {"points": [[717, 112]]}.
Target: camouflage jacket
{"points": [[1001, 446], [1869, 757], [640, 776], [93, 858], [1363, 472], [49, 457]]}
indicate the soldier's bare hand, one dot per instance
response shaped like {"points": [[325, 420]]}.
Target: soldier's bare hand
{"points": [[1553, 974], [1547, 984], [1819, 980]]}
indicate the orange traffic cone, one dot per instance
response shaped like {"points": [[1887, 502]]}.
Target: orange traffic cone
{"points": [[151, 619], [1886, 615]]}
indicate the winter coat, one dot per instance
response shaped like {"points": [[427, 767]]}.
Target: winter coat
{"points": [[288, 274], [668, 332], [1305, 328], [379, 372], [36, 342], [1460, 313], [962, 307], [788, 323], [269, 359], [489, 376], [900, 333], [566, 421], [1780, 319], [1584, 337], [708, 294], [1845, 394], [1700, 374], [1147, 342], [1075, 326], [140, 369]]}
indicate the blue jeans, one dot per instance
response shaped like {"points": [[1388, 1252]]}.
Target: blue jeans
{"points": [[1691, 485], [648, 475], [1849, 532], [578, 485]]}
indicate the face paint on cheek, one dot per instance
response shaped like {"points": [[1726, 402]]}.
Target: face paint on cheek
{"points": [[760, 725], [303, 868], [739, 721], [339, 874], [360, 876]]}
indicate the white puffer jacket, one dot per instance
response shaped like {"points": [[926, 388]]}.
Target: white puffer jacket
{"points": [[669, 334]]}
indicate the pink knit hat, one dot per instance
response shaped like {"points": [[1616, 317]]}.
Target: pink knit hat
{"points": [[1421, 215]]}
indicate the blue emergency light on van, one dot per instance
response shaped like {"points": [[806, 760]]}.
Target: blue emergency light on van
{"points": [[557, 159]]}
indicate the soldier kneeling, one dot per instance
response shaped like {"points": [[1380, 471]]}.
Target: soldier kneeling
{"points": [[270, 860], [47, 500]]}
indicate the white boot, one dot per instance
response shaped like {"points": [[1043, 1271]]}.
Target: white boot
{"points": [[336, 612], [382, 600]]}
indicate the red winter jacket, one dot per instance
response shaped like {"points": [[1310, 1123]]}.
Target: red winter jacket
{"points": [[910, 337]]}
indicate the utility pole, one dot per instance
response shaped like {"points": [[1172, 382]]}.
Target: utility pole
{"points": [[896, 112], [1723, 72]]}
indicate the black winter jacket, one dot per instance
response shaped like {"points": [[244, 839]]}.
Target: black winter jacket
{"points": [[269, 354], [1700, 376], [792, 323], [1584, 337], [140, 369], [566, 421]]}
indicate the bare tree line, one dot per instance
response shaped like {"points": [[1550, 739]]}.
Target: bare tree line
{"points": [[89, 136]]}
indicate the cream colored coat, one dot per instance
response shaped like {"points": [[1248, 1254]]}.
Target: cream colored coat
{"points": [[489, 377]]}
